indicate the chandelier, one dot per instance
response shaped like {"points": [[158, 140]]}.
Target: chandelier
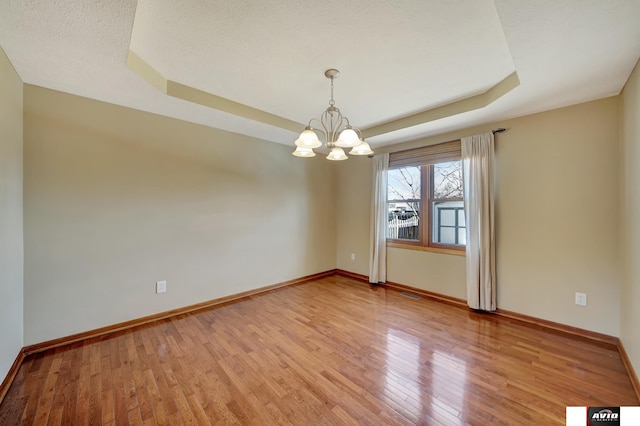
{"points": [[337, 132]]}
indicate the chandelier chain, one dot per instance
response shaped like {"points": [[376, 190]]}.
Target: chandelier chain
{"points": [[332, 102]]}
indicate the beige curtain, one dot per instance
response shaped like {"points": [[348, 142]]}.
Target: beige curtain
{"points": [[478, 173], [378, 235]]}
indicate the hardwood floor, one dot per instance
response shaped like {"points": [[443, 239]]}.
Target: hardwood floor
{"points": [[332, 351]]}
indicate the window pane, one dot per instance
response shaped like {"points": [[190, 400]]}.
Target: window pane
{"points": [[447, 236], [404, 220], [462, 236], [404, 184], [403, 193], [447, 180], [448, 216], [448, 222], [461, 221]]}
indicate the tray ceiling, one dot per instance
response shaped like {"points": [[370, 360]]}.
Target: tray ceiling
{"points": [[408, 68]]}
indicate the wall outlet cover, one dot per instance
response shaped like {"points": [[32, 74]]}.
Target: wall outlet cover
{"points": [[161, 287], [581, 299]]}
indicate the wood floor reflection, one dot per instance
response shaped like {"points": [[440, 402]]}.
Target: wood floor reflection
{"points": [[332, 351]]}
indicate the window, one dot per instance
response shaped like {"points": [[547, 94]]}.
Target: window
{"points": [[425, 198]]}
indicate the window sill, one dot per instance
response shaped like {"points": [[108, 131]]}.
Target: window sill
{"points": [[423, 248]]}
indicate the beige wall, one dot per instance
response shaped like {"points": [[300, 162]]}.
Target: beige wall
{"points": [[115, 199], [11, 241], [557, 213], [630, 228], [354, 178]]}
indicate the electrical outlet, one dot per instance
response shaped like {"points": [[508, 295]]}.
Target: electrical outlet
{"points": [[581, 299], [161, 287], [353, 256]]}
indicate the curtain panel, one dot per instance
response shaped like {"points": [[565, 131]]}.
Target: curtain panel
{"points": [[378, 234], [478, 161]]}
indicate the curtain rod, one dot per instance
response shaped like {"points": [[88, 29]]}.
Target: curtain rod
{"points": [[500, 130]]}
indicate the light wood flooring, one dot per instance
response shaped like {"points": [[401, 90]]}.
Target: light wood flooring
{"points": [[332, 351]]}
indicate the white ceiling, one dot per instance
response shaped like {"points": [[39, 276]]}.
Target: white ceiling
{"points": [[397, 57]]}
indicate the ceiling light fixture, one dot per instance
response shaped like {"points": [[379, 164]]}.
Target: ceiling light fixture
{"points": [[338, 132]]}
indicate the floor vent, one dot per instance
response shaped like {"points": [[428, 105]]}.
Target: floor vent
{"points": [[410, 295]]}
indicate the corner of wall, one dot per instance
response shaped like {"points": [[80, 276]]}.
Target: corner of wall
{"points": [[11, 216], [630, 209]]}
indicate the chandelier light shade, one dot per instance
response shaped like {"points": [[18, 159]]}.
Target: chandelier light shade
{"points": [[348, 138], [362, 149], [336, 130], [304, 152], [337, 154], [308, 139]]}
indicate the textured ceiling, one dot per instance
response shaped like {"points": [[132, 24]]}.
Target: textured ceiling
{"points": [[398, 59]]}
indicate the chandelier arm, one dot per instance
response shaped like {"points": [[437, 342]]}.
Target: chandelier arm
{"points": [[354, 128], [344, 122], [311, 122], [326, 130], [332, 125]]}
